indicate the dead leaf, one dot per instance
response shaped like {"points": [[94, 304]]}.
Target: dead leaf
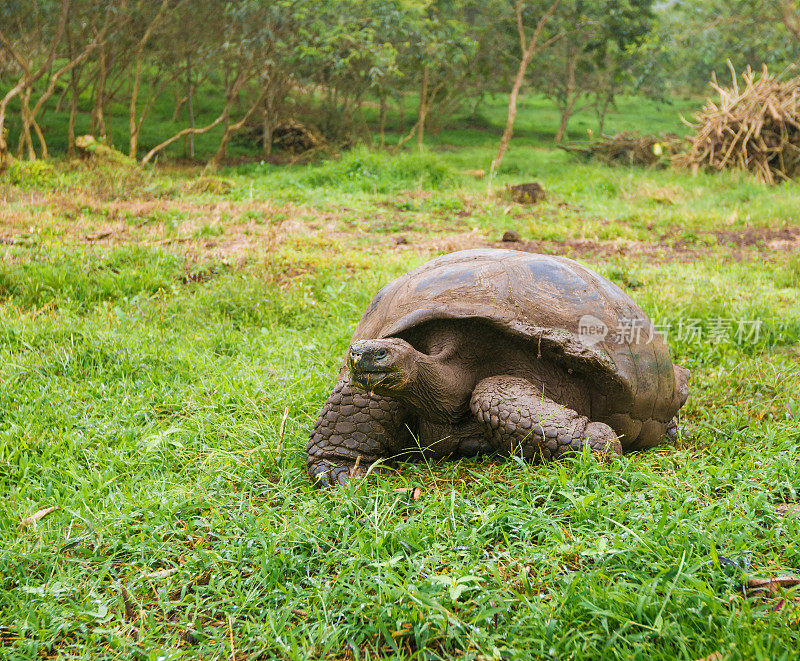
{"points": [[130, 611], [773, 584], [416, 492], [716, 656], [785, 509], [30, 521], [163, 573]]}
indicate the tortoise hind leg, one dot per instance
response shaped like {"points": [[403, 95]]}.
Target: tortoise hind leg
{"points": [[518, 417], [355, 429]]}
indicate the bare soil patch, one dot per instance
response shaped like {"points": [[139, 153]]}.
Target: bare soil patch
{"points": [[731, 245]]}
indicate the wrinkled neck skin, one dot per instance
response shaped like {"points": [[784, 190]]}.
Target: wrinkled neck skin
{"points": [[441, 390]]}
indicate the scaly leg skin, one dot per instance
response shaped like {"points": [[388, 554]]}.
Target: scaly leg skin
{"points": [[355, 428], [518, 417]]}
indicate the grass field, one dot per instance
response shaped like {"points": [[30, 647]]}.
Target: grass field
{"points": [[156, 324]]}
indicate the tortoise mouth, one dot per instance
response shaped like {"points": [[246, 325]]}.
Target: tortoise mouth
{"points": [[370, 378], [371, 375]]}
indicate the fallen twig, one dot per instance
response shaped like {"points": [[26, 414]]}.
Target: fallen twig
{"points": [[772, 584], [281, 431], [230, 633], [30, 521]]}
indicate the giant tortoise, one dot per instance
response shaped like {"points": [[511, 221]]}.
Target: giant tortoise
{"points": [[497, 351]]}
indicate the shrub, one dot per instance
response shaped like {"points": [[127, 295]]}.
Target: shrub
{"points": [[31, 174]]}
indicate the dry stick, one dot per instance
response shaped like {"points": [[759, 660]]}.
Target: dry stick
{"points": [[230, 633], [354, 469], [280, 433], [730, 149], [30, 521]]}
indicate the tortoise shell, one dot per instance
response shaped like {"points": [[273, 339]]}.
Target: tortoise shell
{"points": [[570, 314]]}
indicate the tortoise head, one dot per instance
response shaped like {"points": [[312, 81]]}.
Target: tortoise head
{"points": [[428, 383], [383, 366]]}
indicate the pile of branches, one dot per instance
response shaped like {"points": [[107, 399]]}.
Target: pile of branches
{"points": [[755, 128], [289, 136], [295, 137], [626, 148]]}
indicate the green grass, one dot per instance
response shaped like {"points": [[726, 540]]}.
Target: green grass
{"points": [[145, 371]]}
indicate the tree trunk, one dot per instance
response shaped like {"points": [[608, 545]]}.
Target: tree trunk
{"points": [[179, 101], [73, 101], [423, 108], [383, 121], [570, 99], [266, 130], [528, 52], [476, 106], [401, 112], [73, 113], [25, 140], [364, 126], [508, 131], [601, 114], [37, 129], [216, 161], [28, 80], [188, 131], [68, 67], [137, 80], [566, 112], [98, 119], [190, 105]]}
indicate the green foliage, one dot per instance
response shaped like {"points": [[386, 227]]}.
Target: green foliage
{"points": [[31, 174], [695, 39]]}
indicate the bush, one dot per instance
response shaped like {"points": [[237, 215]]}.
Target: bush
{"points": [[31, 174]]}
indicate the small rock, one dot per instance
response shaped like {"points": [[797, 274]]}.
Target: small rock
{"points": [[510, 236], [527, 193], [401, 240]]}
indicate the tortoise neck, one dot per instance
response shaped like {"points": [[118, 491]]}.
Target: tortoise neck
{"points": [[442, 389]]}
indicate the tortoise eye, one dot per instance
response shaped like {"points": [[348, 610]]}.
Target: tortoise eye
{"points": [[380, 353]]}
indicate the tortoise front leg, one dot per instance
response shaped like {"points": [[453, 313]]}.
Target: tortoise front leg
{"points": [[518, 417], [355, 428]]}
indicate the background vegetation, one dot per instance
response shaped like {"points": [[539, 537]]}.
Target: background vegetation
{"points": [[168, 335], [153, 75]]}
